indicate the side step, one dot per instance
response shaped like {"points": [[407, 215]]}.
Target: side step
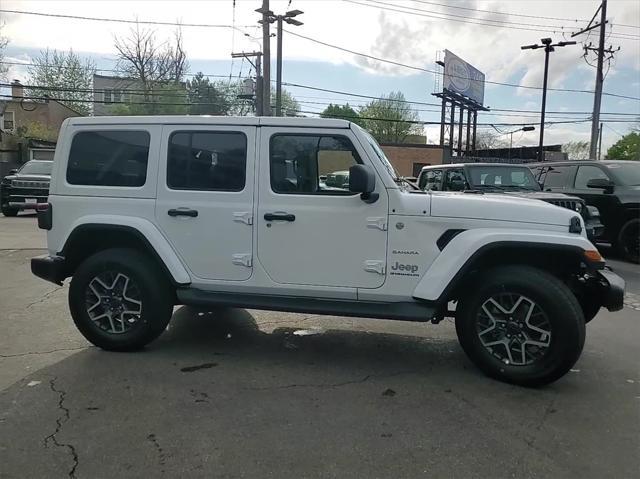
{"points": [[402, 311]]}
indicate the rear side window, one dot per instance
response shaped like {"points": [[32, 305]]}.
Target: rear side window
{"points": [[207, 161], [109, 158]]}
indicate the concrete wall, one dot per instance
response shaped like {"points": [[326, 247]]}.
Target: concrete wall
{"points": [[410, 157]]}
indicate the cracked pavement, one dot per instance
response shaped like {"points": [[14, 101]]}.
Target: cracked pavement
{"points": [[234, 393]]}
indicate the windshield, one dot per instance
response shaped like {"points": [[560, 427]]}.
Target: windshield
{"points": [[500, 177], [627, 174], [383, 158], [37, 168]]}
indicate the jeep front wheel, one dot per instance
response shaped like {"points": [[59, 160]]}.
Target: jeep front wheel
{"points": [[119, 301], [521, 325]]}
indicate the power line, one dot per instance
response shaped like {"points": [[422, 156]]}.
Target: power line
{"points": [[122, 20], [413, 67], [511, 14]]}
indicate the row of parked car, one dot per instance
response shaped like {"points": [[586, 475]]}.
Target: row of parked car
{"points": [[605, 193]]}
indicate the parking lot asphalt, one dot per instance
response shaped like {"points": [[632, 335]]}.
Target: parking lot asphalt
{"points": [[236, 393]]}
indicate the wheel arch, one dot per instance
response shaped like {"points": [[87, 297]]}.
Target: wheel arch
{"points": [[456, 266], [88, 238]]}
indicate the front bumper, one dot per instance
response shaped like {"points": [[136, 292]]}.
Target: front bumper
{"points": [[51, 268], [610, 287], [595, 229]]}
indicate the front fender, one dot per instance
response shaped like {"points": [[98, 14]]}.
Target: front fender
{"points": [[147, 231], [462, 250]]}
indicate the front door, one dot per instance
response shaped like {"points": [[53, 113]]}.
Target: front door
{"points": [[311, 229], [205, 198]]}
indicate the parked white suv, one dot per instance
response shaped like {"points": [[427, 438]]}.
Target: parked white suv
{"points": [[148, 212]]}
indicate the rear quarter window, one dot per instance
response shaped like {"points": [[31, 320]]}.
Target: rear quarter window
{"points": [[109, 158]]}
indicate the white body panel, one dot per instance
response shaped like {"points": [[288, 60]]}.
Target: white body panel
{"points": [[337, 247]]}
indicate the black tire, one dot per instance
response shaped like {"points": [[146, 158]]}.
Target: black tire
{"points": [[628, 241], [149, 286], [558, 307], [11, 212]]}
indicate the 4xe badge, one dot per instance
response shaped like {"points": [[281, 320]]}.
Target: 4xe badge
{"points": [[399, 269]]}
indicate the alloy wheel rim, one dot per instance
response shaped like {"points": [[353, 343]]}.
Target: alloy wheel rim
{"points": [[514, 329], [113, 302]]}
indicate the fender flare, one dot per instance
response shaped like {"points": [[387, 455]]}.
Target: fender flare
{"points": [[459, 255], [144, 230]]}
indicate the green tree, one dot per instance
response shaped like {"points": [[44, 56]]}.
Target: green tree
{"points": [[290, 106], [64, 76], [162, 99], [208, 98], [344, 112], [627, 148], [576, 150], [390, 119]]}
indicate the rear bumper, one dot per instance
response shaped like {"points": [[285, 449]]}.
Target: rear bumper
{"points": [[611, 289], [50, 268]]}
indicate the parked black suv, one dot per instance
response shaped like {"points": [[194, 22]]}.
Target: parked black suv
{"points": [[24, 188], [612, 186], [504, 178]]}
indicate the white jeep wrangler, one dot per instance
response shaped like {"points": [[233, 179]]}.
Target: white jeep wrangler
{"points": [[148, 212]]}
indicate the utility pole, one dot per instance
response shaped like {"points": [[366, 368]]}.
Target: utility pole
{"points": [[259, 80], [266, 52], [548, 48], [597, 99], [279, 69]]}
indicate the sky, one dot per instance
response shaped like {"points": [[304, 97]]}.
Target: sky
{"points": [[410, 32]]}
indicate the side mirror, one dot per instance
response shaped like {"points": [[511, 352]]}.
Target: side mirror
{"points": [[362, 180], [13, 171], [602, 183]]}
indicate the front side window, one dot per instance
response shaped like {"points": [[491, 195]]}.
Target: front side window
{"points": [[109, 158], [586, 173], [454, 180], [311, 164], [431, 180], [559, 176], [207, 161]]}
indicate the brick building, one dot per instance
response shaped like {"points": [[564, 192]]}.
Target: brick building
{"points": [[409, 158]]}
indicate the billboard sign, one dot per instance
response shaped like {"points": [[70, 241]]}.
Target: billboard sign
{"points": [[462, 78]]}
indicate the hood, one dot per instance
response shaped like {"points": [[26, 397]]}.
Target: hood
{"points": [[31, 177], [498, 207], [541, 195]]}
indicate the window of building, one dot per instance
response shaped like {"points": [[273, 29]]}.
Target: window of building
{"points": [[417, 168], [558, 176], [311, 164], [109, 158], [586, 173], [431, 180], [108, 96], [208, 161], [8, 121]]}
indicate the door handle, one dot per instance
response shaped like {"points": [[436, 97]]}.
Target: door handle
{"points": [[183, 212], [279, 217]]}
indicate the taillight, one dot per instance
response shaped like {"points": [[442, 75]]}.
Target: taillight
{"points": [[45, 216]]}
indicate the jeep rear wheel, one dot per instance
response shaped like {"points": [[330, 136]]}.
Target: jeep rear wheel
{"points": [[119, 300], [521, 325]]}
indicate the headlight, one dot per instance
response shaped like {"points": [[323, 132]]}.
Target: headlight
{"points": [[579, 208], [593, 211]]}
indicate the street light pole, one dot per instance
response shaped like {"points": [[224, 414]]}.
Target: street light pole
{"points": [[279, 69], [510, 133], [548, 48]]}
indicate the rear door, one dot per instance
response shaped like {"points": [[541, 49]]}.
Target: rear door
{"points": [[205, 198]]}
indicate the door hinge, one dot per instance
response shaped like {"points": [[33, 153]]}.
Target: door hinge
{"points": [[378, 222], [374, 266], [242, 260], [243, 217]]}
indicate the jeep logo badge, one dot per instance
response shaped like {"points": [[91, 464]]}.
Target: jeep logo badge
{"points": [[404, 269]]}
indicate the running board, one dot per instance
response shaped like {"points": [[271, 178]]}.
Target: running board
{"points": [[402, 311]]}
